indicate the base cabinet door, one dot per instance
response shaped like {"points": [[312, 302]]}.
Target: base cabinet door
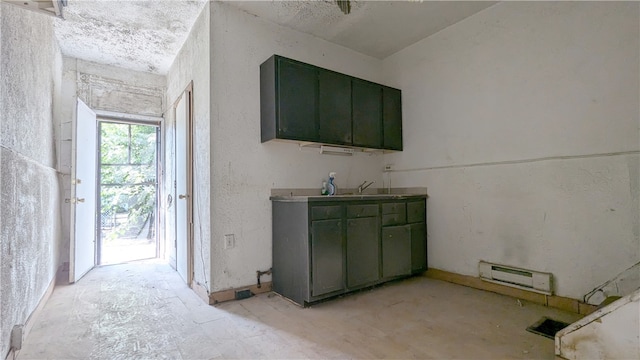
{"points": [[396, 251], [326, 257], [362, 253], [418, 247]]}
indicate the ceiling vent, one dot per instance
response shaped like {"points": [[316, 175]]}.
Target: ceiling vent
{"points": [[49, 7]]}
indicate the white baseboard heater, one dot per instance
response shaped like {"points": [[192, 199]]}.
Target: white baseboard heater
{"points": [[524, 279]]}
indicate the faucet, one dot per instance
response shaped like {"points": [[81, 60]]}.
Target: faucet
{"points": [[363, 187]]}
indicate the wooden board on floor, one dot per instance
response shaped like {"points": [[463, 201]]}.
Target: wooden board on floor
{"points": [[558, 302]]}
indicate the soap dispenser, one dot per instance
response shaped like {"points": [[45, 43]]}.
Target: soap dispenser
{"points": [[331, 187]]}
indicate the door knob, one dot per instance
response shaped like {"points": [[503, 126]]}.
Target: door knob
{"points": [[183, 196]]}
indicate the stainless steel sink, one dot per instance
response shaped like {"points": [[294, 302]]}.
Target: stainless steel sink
{"points": [[368, 196]]}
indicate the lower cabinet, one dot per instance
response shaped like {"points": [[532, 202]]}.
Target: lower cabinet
{"points": [[327, 247], [326, 257], [363, 252], [418, 247], [396, 251], [416, 218]]}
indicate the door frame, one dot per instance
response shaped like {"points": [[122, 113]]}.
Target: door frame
{"points": [[188, 94], [127, 119]]}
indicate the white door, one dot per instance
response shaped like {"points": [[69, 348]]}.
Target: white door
{"points": [[83, 193], [183, 190], [169, 186]]}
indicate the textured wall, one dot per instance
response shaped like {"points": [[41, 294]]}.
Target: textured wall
{"points": [[192, 64], [522, 121], [244, 170], [29, 188], [110, 88]]}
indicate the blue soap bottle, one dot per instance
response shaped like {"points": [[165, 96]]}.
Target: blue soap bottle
{"points": [[331, 187]]}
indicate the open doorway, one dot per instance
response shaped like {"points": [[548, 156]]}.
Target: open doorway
{"points": [[128, 191]]}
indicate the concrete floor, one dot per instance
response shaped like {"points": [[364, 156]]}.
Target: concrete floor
{"points": [[143, 310]]}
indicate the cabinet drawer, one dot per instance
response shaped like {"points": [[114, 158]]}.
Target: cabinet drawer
{"points": [[326, 212], [358, 211], [394, 219], [415, 211], [394, 214], [393, 208]]}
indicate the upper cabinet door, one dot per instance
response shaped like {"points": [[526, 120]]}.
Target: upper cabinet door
{"points": [[297, 100], [367, 114], [392, 118], [334, 107]]}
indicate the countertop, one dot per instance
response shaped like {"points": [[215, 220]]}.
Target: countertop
{"points": [[309, 195]]}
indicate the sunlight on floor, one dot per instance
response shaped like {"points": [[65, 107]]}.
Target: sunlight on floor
{"points": [[124, 250]]}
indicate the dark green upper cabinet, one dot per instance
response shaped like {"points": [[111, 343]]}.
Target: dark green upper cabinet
{"points": [[297, 100], [288, 100], [392, 118], [302, 102], [367, 114], [334, 108]]}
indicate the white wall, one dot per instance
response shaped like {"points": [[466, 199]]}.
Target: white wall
{"points": [[244, 170], [110, 88], [523, 122], [192, 64], [30, 235]]}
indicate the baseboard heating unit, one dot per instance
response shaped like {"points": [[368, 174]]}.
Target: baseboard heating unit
{"points": [[524, 279]]}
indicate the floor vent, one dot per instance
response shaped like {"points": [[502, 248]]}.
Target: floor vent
{"points": [[547, 327], [515, 277], [243, 294]]}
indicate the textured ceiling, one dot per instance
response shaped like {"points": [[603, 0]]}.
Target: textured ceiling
{"points": [[375, 28], [140, 35], [146, 35]]}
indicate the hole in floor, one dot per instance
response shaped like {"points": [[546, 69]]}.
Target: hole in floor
{"points": [[547, 327]]}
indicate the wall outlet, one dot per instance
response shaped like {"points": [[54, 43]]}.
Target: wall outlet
{"points": [[229, 241], [388, 167]]}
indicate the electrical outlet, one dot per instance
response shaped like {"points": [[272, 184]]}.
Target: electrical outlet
{"points": [[388, 167], [229, 241]]}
